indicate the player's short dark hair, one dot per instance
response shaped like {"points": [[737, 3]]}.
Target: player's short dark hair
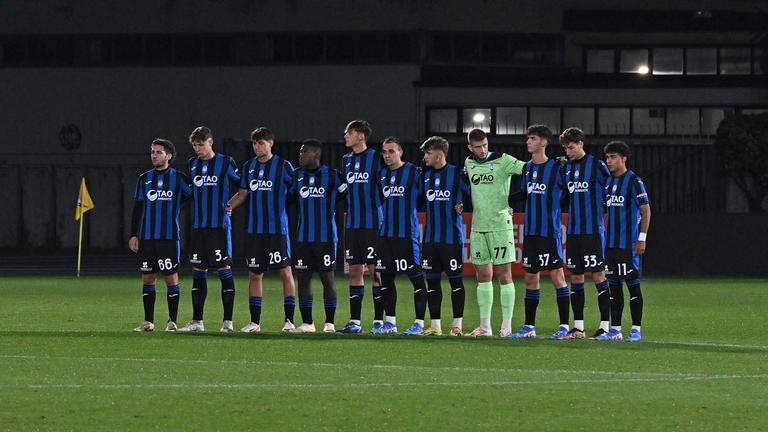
{"points": [[361, 126], [167, 146], [540, 130], [313, 144], [476, 135], [435, 143], [618, 147], [201, 133], [393, 139], [572, 134], [262, 133]]}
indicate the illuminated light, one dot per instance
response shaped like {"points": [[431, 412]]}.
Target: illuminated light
{"points": [[478, 118], [643, 70]]}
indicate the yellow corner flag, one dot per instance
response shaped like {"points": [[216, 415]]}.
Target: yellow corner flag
{"points": [[84, 201]]}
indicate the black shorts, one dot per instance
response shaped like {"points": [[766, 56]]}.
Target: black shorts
{"points": [[584, 253], [439, 258], [315, 256], [267, 252], [210, 248], [360, 245], [542, 253], [398, 255], [622, 263], [159, 256]]}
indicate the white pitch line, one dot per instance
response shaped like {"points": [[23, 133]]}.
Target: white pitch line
{"points": [[370, 385], [711, 344]]}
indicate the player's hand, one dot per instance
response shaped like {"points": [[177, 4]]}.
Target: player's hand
{"points": [[228, 209], [511, 211], [133, 244], [640, 248], [459, 207]]}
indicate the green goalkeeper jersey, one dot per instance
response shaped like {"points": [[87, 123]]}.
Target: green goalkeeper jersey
{"points": [[489, 183]]}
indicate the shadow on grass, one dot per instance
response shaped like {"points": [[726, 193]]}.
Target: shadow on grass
{"points": [[322, 338]]}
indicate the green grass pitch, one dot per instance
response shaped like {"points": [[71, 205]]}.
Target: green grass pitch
{"points": [[69, 361]]}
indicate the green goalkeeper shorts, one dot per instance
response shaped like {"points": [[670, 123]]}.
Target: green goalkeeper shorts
{"points": [[497, 247]]}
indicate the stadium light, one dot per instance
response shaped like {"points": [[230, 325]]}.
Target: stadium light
{"points": [[478, 118], [643, 70]]}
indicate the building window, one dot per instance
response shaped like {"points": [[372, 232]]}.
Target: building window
{"points": [[549, 116], [582, 118], [613, 121], [759, 61], [648, 121], [701, 61], [734, 61], [511, 121], [600, 61], [667, 61], [634, 61], [711, 118], [442, 121], [682, 121], [476, 118]]}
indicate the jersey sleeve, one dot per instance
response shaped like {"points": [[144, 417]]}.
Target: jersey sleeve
{"points": [[464, 186], [288, 175], [339, 184], [232, 172], [639, 194], [512, 165], [189, 167], [602, 174], [185, 185], [244, 178], [139, 194]]}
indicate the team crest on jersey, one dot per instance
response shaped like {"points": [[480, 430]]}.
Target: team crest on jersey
{"points": [[357, 166], [311, 181], [392, 180], [261, 173], [615, 187], [535, 174], [205, 169], [160, 182], [576, 174], [490, 166], [437, 182]]}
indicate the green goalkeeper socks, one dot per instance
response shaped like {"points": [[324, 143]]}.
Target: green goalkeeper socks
{"points": [[485, 298], [507, 301]]}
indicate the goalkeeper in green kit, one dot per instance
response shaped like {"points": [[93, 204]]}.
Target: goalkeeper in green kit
{"points": [[492, 241]]}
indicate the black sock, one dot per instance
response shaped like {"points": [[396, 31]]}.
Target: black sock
{"points": [[199, 293], [305, 307], [617, 301], [254, 304], [173, 302], [356, 293], [563, 304], [434, 295], [577, 301], [148, 295], [329, 295], [378, 304], [635, 301], [603, 300], [419, 295], [531, 303], [457, 295], [289, 306], [227, 292], [389, 292]]}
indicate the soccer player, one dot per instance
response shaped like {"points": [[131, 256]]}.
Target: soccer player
{"points": [[398, 249], [211, 238], [542, 245], [265, 182], [629, 216], [155, 230], [444, 191], [492, 242], [585, 180], [361, 169], [318, 189]]}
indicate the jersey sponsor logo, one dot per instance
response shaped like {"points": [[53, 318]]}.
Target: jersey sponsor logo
{"points": [[357, 177], [205, 180], [482, 179], [154, 195], [438, 195], [260, 185], [578, 186], [312, 192], [393, 191], [615, 201], [536, 188]]}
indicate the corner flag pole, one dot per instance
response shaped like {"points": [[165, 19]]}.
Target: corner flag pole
{"points": [[84, 203]]}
